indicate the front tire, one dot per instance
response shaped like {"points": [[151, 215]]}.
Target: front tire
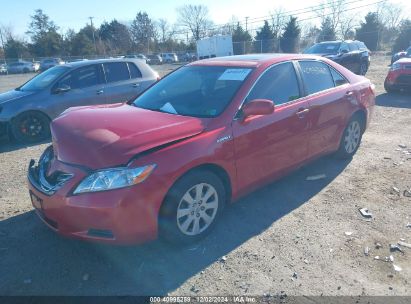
{"points": [[351, 138], [388, 88], [192, 207], [363, 68], [31, 127]]}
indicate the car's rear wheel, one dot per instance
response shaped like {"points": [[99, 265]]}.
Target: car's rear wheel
{"points": [[192, 207], [351, 139], [31, 127]]}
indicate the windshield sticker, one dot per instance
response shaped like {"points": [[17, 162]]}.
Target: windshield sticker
{"points": [[234, 74], [331, 47]]}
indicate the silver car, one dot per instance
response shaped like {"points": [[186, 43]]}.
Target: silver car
{"points": [[21, 67], [27, 111]]}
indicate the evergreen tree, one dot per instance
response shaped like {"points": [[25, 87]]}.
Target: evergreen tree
{"points": [[403, 40], [241, 39], [327, 32], [142, 31], [43, 33], [368, 32], [291, 36], [264, 39]]}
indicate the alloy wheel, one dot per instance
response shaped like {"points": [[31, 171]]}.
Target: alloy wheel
{"points": [[197, 209], [352, 137]]}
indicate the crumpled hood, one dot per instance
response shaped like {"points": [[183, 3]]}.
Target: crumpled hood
{"points": [[110, 135], [13, 95]]}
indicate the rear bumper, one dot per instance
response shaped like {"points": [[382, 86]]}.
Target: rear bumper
{"points": [[122, 216]]}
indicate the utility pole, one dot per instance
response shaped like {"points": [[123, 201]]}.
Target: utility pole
{"points": [[2, 46], [92, 29], [246, 23]]}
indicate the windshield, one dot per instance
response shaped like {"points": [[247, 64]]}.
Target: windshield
{"points": [[44, 79], [324, 48], [200, 91]]}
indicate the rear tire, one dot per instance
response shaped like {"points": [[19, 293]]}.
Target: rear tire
{"points": [[192, 207], [31, 127], [351, 138]]}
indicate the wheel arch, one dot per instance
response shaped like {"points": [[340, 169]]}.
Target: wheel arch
{"points": [[218, 170], [361, 114]]}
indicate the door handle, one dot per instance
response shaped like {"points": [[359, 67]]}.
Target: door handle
{"points": [[136, 85], [301, 112], [99, 92]]}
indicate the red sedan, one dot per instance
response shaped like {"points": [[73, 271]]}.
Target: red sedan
{"points": [[212, 131], [399, 76]]}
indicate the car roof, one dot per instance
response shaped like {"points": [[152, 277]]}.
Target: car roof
{"points": [[252, 60], [98, 61]]}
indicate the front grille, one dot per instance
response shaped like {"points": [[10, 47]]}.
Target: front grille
{"points": [[47, 184]]}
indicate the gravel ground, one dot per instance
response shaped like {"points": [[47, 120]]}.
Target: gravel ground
{"points": [[290, 237]]}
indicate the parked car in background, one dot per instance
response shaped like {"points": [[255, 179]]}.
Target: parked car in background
{"points": [[155, 59], [354, 55], [212, 131], [45, 64], [399, 76], [21, 67], [169, 57], [400, 55], [28, 110], [3, 69], [138, 56]]}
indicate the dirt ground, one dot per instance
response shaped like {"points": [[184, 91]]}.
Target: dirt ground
{"points": [[292, 237]]}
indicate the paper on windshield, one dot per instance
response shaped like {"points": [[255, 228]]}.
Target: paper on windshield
{"points": [[168, 108], [234, 74]]}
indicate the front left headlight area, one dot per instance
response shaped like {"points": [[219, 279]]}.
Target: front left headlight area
{"points": [[395, 66], [114, 178]]}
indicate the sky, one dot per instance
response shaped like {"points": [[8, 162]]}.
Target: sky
{"points": [[74, 13]]}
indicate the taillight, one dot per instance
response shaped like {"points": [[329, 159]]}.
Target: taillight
{"points": [[372, 88]]}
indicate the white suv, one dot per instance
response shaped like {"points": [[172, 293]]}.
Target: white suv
{"points": [[169, 57]]}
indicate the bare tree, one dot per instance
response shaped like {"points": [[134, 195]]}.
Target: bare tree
{"points": [[390, 14], [334, 11], [278, 20], [347, 25], [163, 28], [195, 19]]}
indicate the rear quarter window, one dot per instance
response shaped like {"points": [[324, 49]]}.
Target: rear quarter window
{"points": [[134, 70]]}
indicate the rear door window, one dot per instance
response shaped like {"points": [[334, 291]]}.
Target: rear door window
{"points": [[134, 71], [316, 76], [116, 71], [83, 77], [278, 84]]}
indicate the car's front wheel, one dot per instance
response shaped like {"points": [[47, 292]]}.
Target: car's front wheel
{"points": [[192, 207], [31, 127], [388, 88], [351, 139], [363, 68]]}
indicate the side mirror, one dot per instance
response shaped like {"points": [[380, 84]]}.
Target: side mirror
{"points": [[344, 51], [258, 107], [62, 89]]}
